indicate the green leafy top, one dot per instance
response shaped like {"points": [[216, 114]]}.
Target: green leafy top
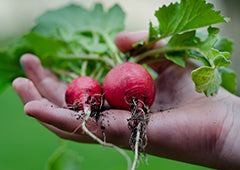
{"points": [[76, 19], [178, 22], [73, 41], [187, 15]]}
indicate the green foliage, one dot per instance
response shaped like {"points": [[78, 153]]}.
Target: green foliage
{"points": [[152, 33], [186, 15], [223, 44], [179, 60], [76, 19], [228, 79], [84, 31], [207, 80], [44, 47], [73, 41], [178, 22]]}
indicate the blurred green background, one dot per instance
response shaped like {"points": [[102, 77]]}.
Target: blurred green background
{"points": [[24, 143]]}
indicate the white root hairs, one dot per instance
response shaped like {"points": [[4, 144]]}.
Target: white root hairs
{"points": [[144, 105], [85, 129], [126, 100], [136, 154], [138, 139], [87, 113]]}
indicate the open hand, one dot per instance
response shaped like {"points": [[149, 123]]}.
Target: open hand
{"points": [[184, 125]]}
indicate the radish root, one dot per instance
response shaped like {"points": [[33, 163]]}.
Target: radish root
{"points": [[136, 152], [86, 115], [138, 126]]}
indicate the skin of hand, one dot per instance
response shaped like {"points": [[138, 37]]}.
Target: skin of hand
{"points": [[184, 125]]}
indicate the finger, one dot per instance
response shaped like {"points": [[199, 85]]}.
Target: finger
{"points": [[48, 86], [125, 40], [26, 90], [116, 128], [160, 66], [55, 78]]}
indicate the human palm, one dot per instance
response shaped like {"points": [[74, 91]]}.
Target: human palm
{"points": [[184, 125]]}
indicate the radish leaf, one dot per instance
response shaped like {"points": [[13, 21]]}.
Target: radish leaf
{"points": [[186, 15], [68, 38], [228, 79], [179, 60], [77, 19], [207, 80], [179, 22], [224, 44]]}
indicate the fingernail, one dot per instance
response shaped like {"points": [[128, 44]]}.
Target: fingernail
{"points": [[21, 64], [29, 114]]}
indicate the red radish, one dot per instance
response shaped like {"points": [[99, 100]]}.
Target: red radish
{"points": [[85, 94], [130, 86], [128, 81]]}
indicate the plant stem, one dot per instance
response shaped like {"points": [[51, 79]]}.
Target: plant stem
{"points": [[95, 70], [161, 51], [64, 72], [84, 68], [99, 74], [113, 48], [95, 57], [111, 45]]}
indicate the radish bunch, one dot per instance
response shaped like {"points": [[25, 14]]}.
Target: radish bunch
{"points": [[127, 86]]}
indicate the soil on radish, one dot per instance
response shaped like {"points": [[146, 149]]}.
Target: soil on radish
{"points": [[138, 118], [95, 110]]}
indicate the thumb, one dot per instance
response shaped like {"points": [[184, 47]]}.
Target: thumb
{"points": [[125, 40]]}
